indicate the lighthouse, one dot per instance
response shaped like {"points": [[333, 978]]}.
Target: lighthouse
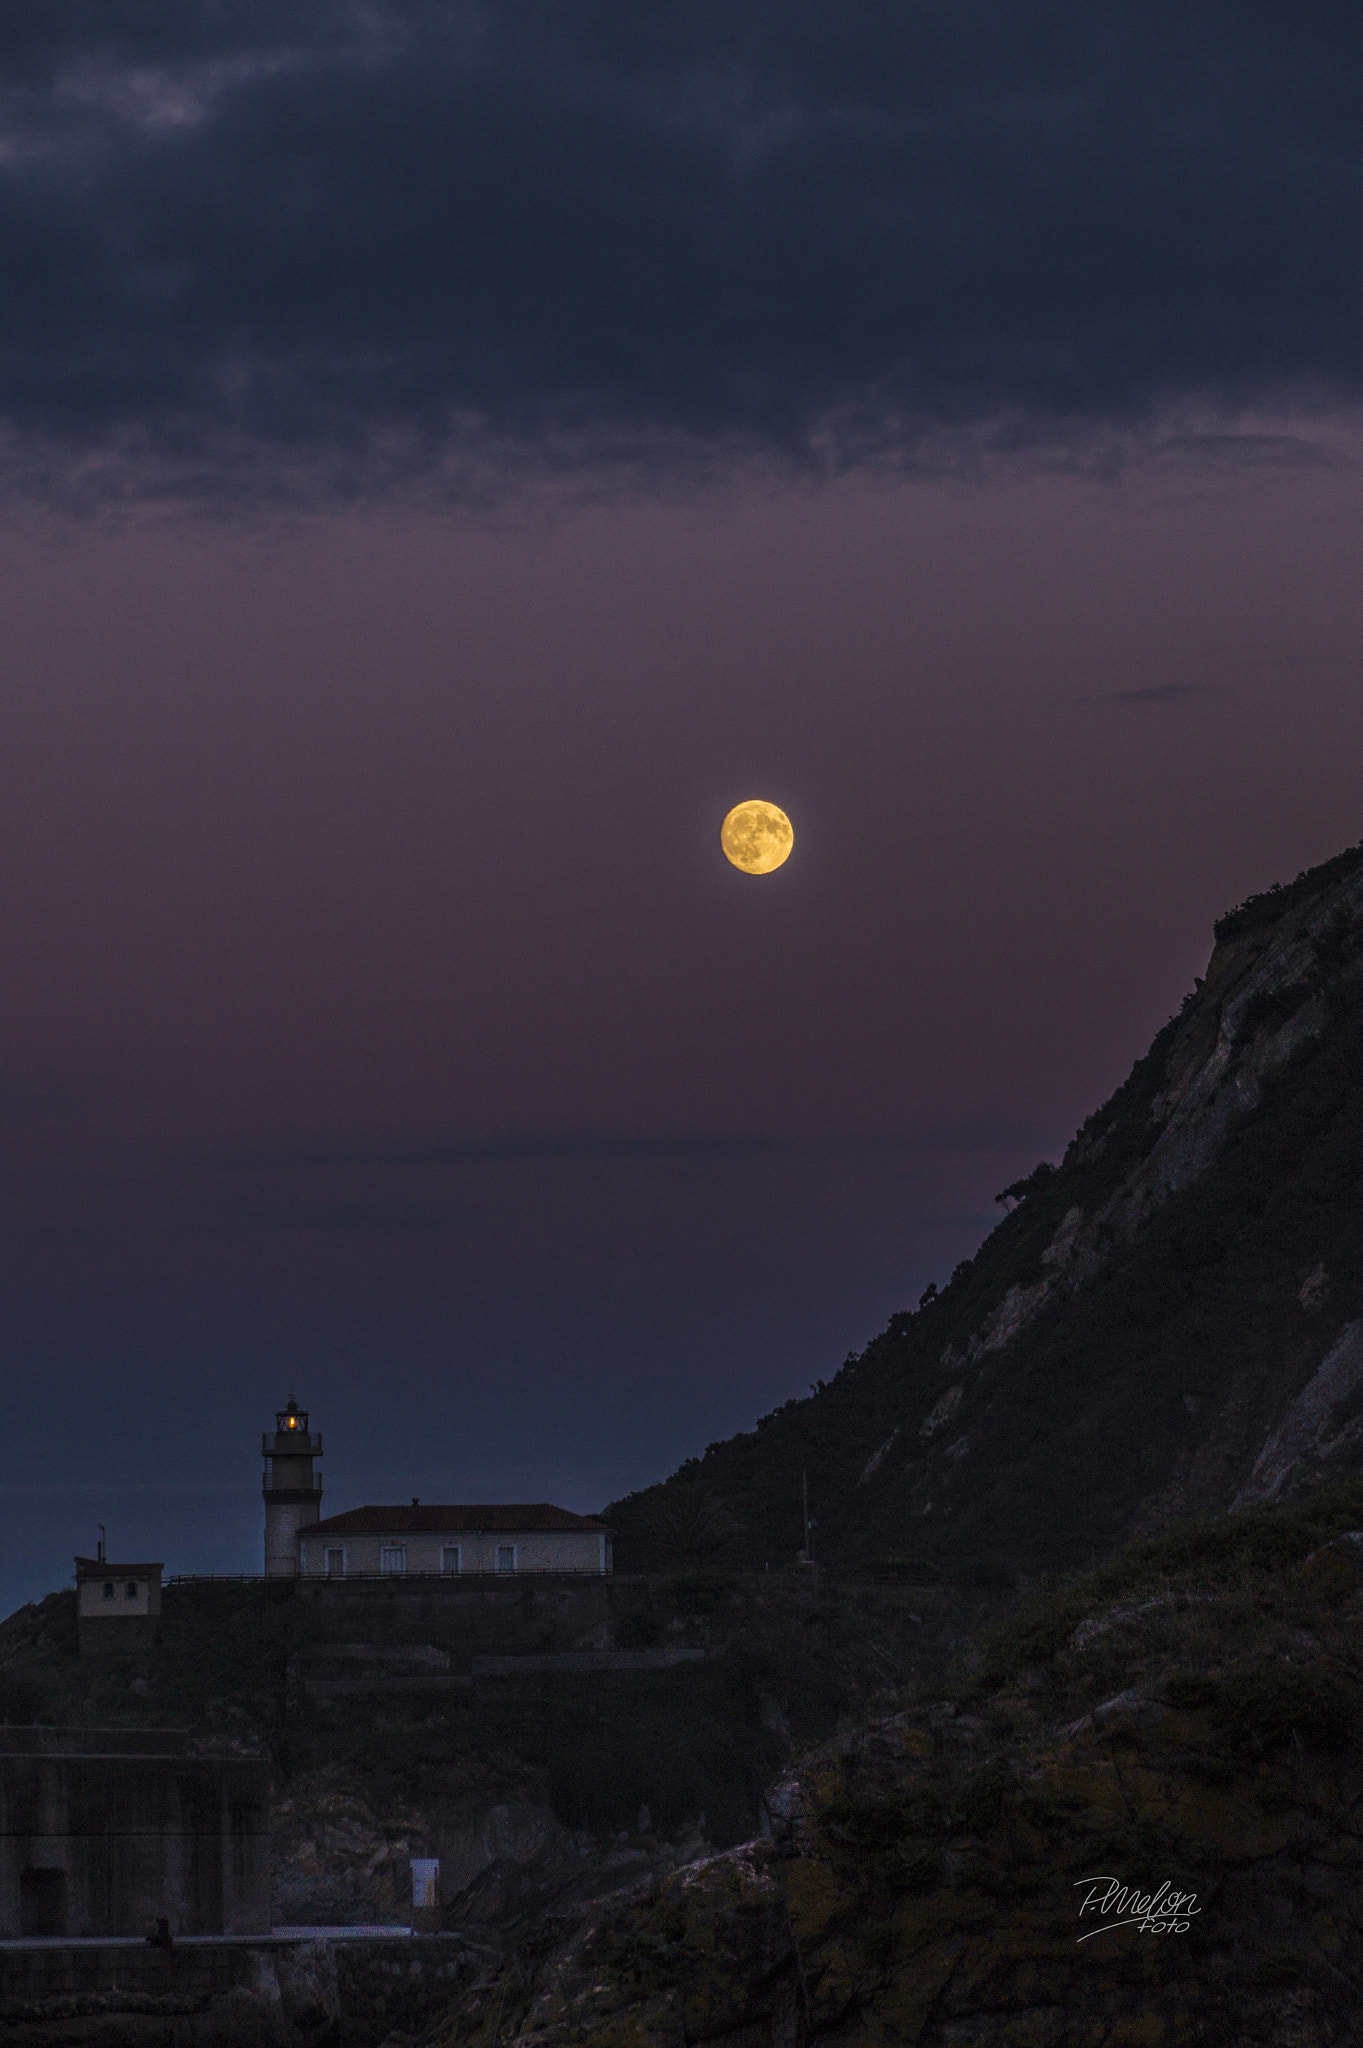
{"points": [[293, 1497]]}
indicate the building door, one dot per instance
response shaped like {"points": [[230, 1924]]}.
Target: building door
{"points": [[42, 1902], [335, 1564], [393, 1557], [506, 1557], [426, 1894]]}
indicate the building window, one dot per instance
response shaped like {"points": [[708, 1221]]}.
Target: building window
{"points": [[130, 1590], [108, 1589], [506, 1557], [393, 1558], [451, 1558], [335, 1564]]}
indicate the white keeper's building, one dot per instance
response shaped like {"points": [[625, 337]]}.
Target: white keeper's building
{"points": [[401, 1542], [454, 1540]]}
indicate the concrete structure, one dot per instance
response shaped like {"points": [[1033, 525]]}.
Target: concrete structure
{"points": [[290, 1989], [118, 1606], [292, 1492], [452, 1542], [106, 1831]]}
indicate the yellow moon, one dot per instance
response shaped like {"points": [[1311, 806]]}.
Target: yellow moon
{"points": [[757, 837]]}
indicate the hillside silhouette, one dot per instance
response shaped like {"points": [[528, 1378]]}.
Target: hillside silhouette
{"points": [[1165, 1324]]}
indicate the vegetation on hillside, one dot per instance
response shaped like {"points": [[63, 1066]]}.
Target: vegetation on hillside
{"points": [[1186, 1721], [1257, 913], [1142, 1386]]}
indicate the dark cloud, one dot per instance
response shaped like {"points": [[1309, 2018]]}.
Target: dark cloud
{"points": [[274, 249], [1156, 693]]}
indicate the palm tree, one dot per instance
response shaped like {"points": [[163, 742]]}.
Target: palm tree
{"points": [[683, 1525]]}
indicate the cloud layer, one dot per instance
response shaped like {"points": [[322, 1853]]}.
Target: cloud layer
{"points": [[278, 248]]}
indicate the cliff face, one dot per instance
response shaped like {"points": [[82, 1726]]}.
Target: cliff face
{"points": [[1169, 1322], [1136, 1823]]}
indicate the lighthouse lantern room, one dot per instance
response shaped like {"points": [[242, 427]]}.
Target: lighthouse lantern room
{"points": [[293, 1494]]}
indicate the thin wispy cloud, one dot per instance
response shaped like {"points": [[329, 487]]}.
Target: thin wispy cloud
{"points": [[1310, 661], [607, 1147], [1157, 694], [429, 1188]]}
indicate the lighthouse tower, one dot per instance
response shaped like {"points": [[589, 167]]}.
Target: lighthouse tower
{"points": [[293, 1497]]}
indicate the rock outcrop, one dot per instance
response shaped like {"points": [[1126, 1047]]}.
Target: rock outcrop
{"points": [[1162, 1325], [1039, 1858]]}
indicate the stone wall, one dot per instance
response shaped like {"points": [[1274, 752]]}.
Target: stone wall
{"points": [[116, 1635], [97, 1841], [275, 1993], [478, 1615]]}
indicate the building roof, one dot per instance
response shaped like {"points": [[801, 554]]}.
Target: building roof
{"points": [[108, 1568], [516, 1519]]}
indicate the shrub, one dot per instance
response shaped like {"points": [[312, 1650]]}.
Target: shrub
{"points": [[1280, 1967], [1046, 1807], [1029, 1184], [1264, 1709], [1039, 1630], [881, 1824], [1138, 1850], [987, 1575], [1191, 1690], [912, 1866], [1257, 912], [908, 1571], [865, 1824], [21, 1702], [1218, 1551], [879, 1942], [697, 1593], [1211, 1768], [979, 1798], [637, 1631]]}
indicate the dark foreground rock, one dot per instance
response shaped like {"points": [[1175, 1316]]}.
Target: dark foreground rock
{"points": [[1139, 1821]]}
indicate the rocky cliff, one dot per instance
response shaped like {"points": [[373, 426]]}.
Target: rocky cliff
{"points": [[1168, 1322]]}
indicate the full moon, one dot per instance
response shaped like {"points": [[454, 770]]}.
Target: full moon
{"points": [[757, 837]]}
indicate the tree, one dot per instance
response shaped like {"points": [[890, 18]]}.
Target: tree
{"points": [[1028, 1185], [684, 1525]]}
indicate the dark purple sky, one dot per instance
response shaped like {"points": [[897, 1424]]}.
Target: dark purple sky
{"points": [[954, 441]]}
